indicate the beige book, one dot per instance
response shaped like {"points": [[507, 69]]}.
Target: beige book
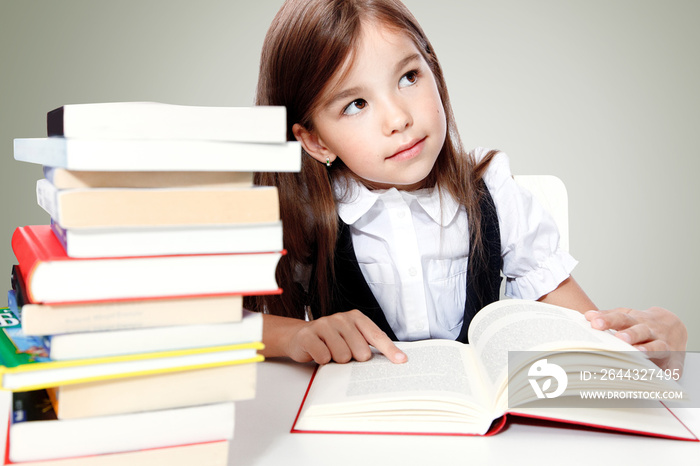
{"points": [[201, 454], [103, 207], [68, 179], [157, 391], [46, 319]]}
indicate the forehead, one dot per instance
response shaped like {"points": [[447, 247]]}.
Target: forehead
{"points": [[379, 46]]}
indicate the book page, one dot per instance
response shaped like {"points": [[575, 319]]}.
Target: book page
{"points": [[519, 325], [434, 366], [437, 390]]}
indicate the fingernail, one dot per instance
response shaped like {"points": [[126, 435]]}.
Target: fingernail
{"points": [[600, 323], [642, 348], [400, 357], [624, 337]]}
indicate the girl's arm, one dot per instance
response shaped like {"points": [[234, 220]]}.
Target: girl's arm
{"points": [[656, 331], [339, 337]]}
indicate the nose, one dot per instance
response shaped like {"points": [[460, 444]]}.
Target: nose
{"points": [[397, 116]]}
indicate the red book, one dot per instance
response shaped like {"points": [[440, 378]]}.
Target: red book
{"points": [[51, 276], [524, 360]]}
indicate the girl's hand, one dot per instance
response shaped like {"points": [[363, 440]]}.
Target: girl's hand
{"points": [[339, 337], [656, 331]]}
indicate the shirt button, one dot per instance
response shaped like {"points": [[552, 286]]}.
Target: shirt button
{"points": [[412, 271], [420, 326]]}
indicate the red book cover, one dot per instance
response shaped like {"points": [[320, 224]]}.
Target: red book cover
{"points": [[32, 245]]}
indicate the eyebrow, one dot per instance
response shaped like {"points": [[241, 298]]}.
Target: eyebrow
{"points": [[408, 59], [343, 95], [347, 93]]}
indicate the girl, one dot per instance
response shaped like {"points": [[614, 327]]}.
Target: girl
{"points": [[393, 231]]}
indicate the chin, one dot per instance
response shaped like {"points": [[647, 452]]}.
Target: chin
{"points": [[413, 184]]}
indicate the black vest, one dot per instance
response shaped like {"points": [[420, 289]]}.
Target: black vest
{"points": [[351, 291]]}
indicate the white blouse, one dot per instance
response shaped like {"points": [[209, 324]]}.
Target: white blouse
{"points": [[412, 248]]}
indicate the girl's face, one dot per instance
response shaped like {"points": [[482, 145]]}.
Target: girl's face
{"points": [[382, 116]]}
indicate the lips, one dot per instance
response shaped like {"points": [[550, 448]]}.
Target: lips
{"points": [[409, 150]]}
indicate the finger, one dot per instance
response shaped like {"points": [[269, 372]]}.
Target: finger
{"points": [[615, 319], [314, 349], [338, 346], [655, 349], [358, 345], [636, 334], [596, 320], [676, 361], [344, 339], [328, 344], [377, 338]]}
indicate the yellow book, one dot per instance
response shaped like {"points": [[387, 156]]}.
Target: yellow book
{"points": [[22, 372]]}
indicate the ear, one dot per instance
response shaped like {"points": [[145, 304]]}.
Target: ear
{"points": [[312, 144]]}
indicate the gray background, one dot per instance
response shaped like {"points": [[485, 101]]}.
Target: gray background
{"points": [[602, 94]]}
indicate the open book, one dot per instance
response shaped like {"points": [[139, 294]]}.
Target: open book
{"points": [[524, 358]]}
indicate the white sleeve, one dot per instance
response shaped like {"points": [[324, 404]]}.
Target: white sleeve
{"points": [[533, 263]]}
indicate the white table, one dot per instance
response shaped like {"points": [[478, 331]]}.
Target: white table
{"points": [[263, 437]]}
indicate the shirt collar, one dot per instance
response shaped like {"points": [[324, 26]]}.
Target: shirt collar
{"points": [[359, 200], [354, 202], [438, 204]]}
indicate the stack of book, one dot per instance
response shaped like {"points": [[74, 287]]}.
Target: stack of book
{"points": [[125, 337]]}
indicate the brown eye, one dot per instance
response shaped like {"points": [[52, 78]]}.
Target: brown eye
{"points": [[409, 79], [355, 107]]}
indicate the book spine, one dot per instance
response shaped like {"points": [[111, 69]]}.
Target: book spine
{"points": [[49, 173], [9, 357], [32, 406], [46, 343], [54, 122], [9, 316], [18, 286], [47, 198], [11, 305], [29, 252], [61, 234]]}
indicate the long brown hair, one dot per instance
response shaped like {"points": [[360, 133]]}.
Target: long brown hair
{"points": [[306, 45]]}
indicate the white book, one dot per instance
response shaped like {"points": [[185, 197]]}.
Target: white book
{"points": [[5, 416], [52, 277], [154, 120], [158, 155], [202, 454], [168, 240], [150, 340], [36, 435]]}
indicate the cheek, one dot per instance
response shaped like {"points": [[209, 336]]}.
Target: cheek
{"points": [[439, 122], [352, 146], [432, 107]]}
